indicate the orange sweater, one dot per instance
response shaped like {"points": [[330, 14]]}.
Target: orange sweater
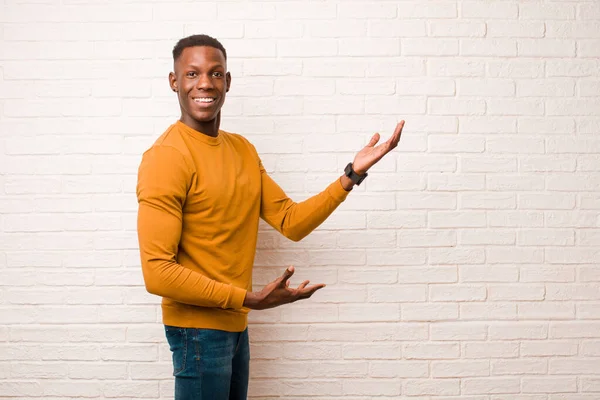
{"points": [[200, 199]]}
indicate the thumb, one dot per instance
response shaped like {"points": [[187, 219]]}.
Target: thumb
{"points": [[373, 140], [287, 274]]}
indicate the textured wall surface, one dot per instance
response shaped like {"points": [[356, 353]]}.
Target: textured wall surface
{"points": [[465, 267]]}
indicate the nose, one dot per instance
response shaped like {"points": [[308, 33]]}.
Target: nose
{"points": [[204, 82]]}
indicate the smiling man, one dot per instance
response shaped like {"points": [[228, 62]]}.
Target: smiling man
{"points": [[201, 192]]}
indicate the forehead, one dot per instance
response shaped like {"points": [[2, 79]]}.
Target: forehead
{"points": [[201, 56]]}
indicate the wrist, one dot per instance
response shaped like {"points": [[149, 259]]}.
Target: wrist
{"points": [[355, 175], [346, 183], [252, 300]]}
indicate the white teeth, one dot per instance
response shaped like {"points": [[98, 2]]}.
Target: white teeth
{"points": [[204, 99]]}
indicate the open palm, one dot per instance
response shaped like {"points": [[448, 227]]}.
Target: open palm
{"points": [[371, 154]]}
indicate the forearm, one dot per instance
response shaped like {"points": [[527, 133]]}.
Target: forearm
{"points": [[181, 284], [296, 220], [165, 277]]}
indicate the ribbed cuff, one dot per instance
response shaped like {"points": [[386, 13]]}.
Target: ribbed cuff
{"points": [[236, 298]]}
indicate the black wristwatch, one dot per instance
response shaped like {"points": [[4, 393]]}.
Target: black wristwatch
{"points": [[354, 177]]}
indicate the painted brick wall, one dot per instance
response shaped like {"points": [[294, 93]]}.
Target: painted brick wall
{"points": [[466, 267]]}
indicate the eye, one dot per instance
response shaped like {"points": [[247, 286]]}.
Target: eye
{"points": [[190, 74], [217, 74]]}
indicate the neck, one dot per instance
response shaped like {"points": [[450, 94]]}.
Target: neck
{"points": [[208, 128]]}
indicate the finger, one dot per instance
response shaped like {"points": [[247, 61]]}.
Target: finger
{"points": [[374, 140], [398, 133], [287, 283], [287, 274], [303, 285], [309, 291]]}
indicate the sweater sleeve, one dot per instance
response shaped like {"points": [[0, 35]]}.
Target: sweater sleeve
{"points": [[297, 220], [163, 182]]}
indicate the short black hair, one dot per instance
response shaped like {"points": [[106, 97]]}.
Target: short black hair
{"points": [[197, 40]]}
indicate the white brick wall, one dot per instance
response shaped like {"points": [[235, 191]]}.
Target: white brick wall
{"points": [[466, 266]]}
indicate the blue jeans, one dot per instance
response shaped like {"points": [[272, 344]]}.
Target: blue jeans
{"points": [[209, 364]]}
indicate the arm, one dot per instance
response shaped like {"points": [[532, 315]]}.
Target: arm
{"points": [[296, 220], [163, 183]]}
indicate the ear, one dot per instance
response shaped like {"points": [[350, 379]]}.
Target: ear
{"points": [[228, 80], [173, 81]]}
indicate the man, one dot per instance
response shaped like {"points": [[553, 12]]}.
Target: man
{"points": [[201, 192]]}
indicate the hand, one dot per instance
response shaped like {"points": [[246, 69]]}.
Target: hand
{"points": [[278, 292], [370, 155]]}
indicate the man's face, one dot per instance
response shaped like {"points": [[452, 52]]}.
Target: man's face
{"points": [[201, 81]]}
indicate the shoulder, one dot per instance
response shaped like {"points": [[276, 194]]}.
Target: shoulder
{"points": [[238, 140], [169, 149]]}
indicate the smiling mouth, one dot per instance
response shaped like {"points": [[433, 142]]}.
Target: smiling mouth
{"points": [[204, 100]]}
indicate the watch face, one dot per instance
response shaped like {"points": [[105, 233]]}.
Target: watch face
{"points": [[348, 170]]}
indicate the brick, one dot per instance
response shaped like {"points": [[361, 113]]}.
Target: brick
{"points": [[488, 47], [516, 69], [433, 9], [515, 29], [443, 106], [455, 68], [588, 88], [456, 256], [488, 311], [429, 47], [459, 369], [574, 329], [546, 88], [397, 258], [571, 107], [487, 164], [453, 144], [573, 68], [397, 293], [486, 87], [590, 348], [429, 312], [553, 384], [490, 201], [449, 331], [457, 293], [335, 28], [369, 313], [443, 219], [454, 182], [583, 30], [521, 219], [372, 351], [515, 293], [558, 126], [548, 348], [536, 237], [371, 387], [548, 164], [420, 387], [490, 385], [543, 11], [438, 28], [518, 331], [398, 369], [572, 292], [515, 107], [514, 183], [397, 28], [428, 275], [540, 273], [431, 351], [587, 48], [518, 367]]}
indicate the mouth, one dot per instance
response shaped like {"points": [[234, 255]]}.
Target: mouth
{"points": [[204, 101]]}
